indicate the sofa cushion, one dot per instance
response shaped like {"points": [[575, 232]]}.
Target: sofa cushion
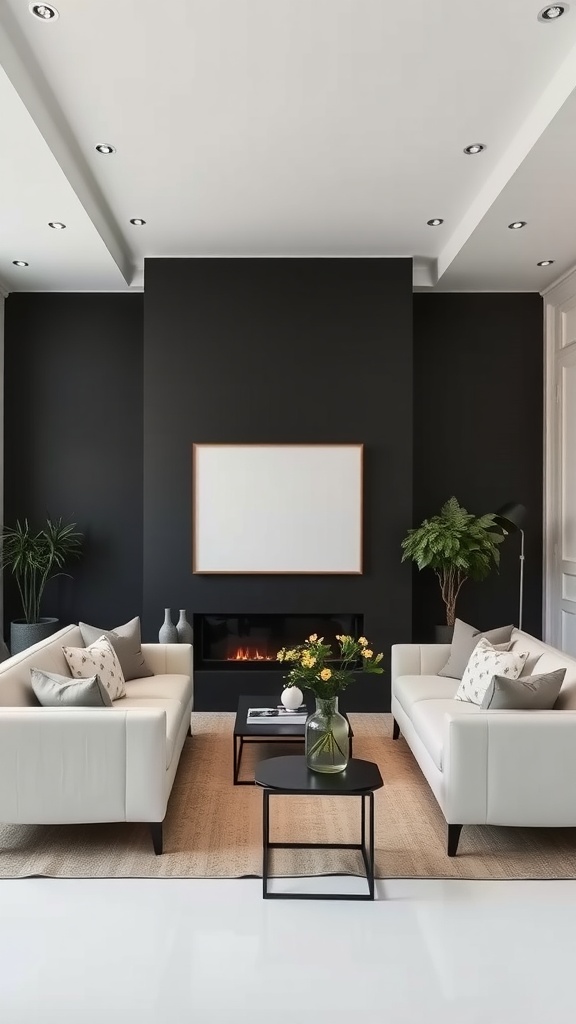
{"points": [[528, 693], [56, 691], [127, 643], [162, 687], [15, 685], [464, 641], [431, 725], [409, 689], [173, 709], [100, 659], [486, 661]]}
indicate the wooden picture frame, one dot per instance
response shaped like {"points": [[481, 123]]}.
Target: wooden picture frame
{"points": [[284, 509]]}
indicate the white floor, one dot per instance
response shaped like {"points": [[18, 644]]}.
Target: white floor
{"points": [[214, 951]]}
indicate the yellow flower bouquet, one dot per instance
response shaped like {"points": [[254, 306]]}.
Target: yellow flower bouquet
{"points": [[310, 669], [327, 733]]}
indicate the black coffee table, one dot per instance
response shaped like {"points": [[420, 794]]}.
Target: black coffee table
{"points": [[267, 731], [290, 776]]}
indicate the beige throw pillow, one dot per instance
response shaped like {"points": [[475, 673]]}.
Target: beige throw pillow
{"points": [[97, 659], [485, 663]]}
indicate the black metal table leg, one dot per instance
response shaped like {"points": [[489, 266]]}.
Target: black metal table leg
{"points": [[265, 841], [371, 850], [238, 747]]}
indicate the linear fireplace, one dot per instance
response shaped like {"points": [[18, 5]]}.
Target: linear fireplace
{"points": [[251, 641]]}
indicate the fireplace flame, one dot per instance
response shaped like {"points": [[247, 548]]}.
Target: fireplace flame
{"points": [[250, 654]]}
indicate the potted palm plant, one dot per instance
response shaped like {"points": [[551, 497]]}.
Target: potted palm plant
{"points": [[34, 557], [457, 546]]}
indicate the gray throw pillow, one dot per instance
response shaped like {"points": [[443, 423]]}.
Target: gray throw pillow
{"points": [[463, 643], [528, 693], [126, 642], [55, 691]]}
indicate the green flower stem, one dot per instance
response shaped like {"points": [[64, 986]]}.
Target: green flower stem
{"points": [[326, 744]]}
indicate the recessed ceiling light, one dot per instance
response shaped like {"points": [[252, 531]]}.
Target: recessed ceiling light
{"points": [[435, 222], [545, 263], [19, 263], [105, 148], [552, 13], [516, 224], [137, 222], [476, 147], [56, 224], [43, 11]]}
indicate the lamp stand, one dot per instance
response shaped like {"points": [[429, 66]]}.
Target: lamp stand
{"points": [[521, 604]]}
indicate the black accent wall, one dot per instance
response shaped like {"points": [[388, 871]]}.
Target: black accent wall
{"points": [[106, 393], [478, 434], [73, 441], [279, 350]]}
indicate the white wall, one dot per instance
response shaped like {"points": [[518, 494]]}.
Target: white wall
{"points": [[1, 441]]}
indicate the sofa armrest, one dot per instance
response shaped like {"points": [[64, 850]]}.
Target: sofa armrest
{"points": [[511, 768], [418, 659], [66, 765], [173, 659]]}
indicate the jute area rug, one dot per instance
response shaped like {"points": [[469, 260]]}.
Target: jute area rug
{"points": [[213, 829]]}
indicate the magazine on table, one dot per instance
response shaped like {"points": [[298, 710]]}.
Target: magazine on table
{"points": [[277, 714]]}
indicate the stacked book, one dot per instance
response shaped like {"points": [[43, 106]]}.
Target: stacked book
{"points": [[258, 716]]}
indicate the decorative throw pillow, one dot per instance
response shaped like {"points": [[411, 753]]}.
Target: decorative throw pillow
{"points": [[127, 643], [464, 641], [54, 691], [97, 659], [527, 693], [486, 662]]}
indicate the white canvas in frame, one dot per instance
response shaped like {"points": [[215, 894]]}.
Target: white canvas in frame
{"points": [[277, 508]]}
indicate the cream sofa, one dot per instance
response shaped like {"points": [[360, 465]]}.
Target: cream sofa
{"points": [[71, 765], [488, 767]]}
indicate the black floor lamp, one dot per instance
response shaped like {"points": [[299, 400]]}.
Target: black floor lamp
{"points": [[510, 518]]}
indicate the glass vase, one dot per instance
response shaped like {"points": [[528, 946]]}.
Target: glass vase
{"points": [[326, 737]]}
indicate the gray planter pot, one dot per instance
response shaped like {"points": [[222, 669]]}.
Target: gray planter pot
{"points": [[24, 634], [443, 634]]}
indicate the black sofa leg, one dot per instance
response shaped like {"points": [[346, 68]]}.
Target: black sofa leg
{"points": [[156, 833], [453, 839], [395, 729]]}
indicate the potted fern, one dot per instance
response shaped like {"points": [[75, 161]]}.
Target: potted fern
{"points": [[457, 546], [35, 557]]}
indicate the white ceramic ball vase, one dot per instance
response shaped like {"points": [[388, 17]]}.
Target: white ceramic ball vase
{"points": [[292, 698]]}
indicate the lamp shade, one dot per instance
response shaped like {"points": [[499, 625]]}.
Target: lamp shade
{"points": [[511, 516]]}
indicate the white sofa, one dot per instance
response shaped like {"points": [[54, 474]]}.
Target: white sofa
{"points": [[488, 767], [72, 765]]}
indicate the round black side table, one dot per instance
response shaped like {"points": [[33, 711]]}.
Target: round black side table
{"points": [[290, 776]]}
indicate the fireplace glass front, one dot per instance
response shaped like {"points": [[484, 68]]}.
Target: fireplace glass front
{"points": [[253, 640]]}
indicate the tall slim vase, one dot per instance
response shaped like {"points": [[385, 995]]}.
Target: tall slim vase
{"points": [[184, 629], [168, 633]]}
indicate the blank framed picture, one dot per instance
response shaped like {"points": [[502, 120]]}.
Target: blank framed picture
{"points": [[267, 508]]}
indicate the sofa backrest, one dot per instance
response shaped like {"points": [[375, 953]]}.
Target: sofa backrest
{"points": [[15, 686], [547, 659]]}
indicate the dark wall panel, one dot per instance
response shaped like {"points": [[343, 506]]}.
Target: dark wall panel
{"points": [[478, 393], [73, 436], [279, 350]]}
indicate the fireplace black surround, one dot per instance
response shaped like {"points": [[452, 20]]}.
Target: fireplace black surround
{"points": [[251, 641]]}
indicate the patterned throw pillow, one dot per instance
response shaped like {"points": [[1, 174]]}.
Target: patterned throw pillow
{"points": [[98, 659], [486, 662]]}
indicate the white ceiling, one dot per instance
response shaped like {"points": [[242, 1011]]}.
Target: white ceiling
{"points": [[287, 127]]}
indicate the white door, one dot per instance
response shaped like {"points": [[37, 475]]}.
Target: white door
{"points": [[561, 477], [567, 595]]}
